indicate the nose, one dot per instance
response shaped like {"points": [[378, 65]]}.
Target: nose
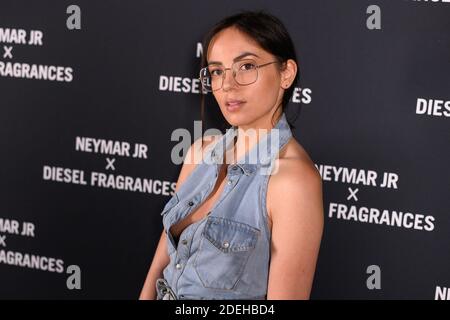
{"points": [[228, 80]]}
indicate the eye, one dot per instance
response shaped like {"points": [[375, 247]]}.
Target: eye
{"points": [[247, 66], [215, 72]]}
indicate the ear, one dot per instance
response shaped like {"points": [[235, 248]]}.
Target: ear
{"points": [[288, 73]]}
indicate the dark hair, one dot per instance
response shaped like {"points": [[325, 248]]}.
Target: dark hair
{"points": [[269, 32]]}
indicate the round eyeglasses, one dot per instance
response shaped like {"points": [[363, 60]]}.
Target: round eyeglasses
{"points": [[244, 72]]}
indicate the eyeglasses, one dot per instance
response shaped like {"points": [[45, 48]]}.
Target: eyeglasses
{"points": [[244, 72]]}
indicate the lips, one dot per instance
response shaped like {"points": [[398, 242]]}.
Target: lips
{"points": [[234, 103], [231, 102]]}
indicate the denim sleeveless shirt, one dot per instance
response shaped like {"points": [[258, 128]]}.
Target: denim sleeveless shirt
{"points": [[226, 254]]}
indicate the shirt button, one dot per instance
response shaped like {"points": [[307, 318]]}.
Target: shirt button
{"points": [[184, 241], [226, 244], [230, 182], [191, 203], [178, 266]]}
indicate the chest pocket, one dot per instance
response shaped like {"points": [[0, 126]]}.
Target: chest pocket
{"points": [[223, 252]]}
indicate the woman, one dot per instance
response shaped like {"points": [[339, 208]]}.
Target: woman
{"points": [[242, 225]]}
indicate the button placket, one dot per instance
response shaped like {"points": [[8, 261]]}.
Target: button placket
{"points": [[183, 249], [233, 176]]}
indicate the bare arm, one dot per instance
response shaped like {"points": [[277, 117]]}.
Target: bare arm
{"points": [[297, 225], [161, 258], [160, 261]]}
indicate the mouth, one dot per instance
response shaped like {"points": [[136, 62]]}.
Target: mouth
{"points": [[234, 105]]}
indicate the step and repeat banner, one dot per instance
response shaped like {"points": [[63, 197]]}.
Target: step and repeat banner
{"points": [[91, 93]]}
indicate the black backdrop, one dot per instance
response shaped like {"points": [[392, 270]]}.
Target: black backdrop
{"points": [[361, 96]]}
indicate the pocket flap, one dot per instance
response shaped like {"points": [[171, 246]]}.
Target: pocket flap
{"points": [[229, 235]]}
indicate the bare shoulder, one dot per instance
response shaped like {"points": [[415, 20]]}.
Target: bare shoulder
{"points": [[294, 160], [194, 155], [295, 207], [296, 179]]}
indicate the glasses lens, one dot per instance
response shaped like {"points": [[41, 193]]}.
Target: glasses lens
{"points": [[212, 77], [246, 72], [205, 79], [216, 76]]}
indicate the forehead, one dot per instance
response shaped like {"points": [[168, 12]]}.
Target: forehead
{"points": [[230, 43]]}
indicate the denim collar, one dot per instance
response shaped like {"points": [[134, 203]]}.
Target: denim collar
{"points": [[260, 155]]}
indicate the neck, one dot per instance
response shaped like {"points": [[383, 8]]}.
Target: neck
{"points": [[249, 135]]}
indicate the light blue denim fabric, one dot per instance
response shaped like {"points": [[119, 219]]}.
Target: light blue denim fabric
{"points": [[225, 255]]}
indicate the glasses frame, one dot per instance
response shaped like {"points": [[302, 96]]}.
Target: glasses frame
{"points": [[257, 66]]}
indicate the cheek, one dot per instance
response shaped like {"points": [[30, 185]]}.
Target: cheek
{"points": [[267, 88], [218, 96]]}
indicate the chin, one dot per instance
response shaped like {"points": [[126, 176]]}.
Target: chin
{"points": [[235, 119]]}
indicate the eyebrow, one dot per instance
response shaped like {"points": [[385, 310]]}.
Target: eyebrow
{"points": [[242, 55]]}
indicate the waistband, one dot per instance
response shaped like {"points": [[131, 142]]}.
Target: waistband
{"points": [[165, 292]]}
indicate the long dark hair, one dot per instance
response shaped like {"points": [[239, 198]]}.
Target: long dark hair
{"points": [[270, 33]]}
